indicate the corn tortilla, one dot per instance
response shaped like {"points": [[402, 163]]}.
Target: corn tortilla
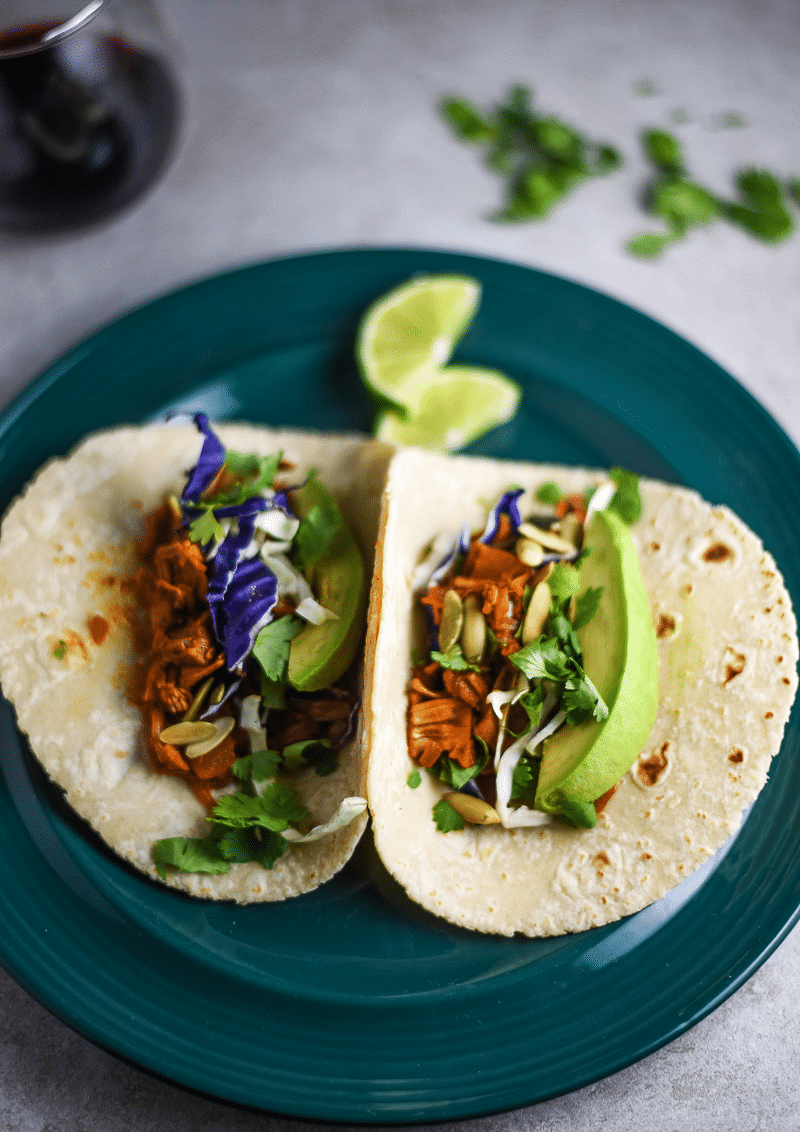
{"points": [[67, 551], [728, 654]]}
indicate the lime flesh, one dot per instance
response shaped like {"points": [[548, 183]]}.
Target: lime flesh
{"points": [[409, 332], [459, 404], [620, 657]]}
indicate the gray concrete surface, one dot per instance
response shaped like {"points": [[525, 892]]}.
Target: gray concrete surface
{"points": [[313, 126]]}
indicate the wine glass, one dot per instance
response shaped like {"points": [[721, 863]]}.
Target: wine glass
{"points": [[89, 109]]}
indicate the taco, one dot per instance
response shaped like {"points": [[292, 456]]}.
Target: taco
{"points": [[214, 579], [448, 720]]}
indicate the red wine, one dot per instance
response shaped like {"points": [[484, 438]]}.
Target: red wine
{"points": [[85, 126]]}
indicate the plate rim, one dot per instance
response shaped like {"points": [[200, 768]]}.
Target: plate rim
{"points": [[59, 371]]}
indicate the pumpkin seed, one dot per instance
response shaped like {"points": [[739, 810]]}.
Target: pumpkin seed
{"points": [[222, 729], [536, 614], [473, 632], [200, 698], [551, 540], [452, 620], [174, 506], [529, 552], [218, 694], [571, 529], [189, 731], [472, 809]]}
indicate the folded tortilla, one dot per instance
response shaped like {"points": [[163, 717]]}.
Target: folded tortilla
{"points": [[728, 654], [67, 645]]}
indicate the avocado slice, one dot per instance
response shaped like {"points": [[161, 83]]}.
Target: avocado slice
{"points": [[320, 654], [620, 657]]}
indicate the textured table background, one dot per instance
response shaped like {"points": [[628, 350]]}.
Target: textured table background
{"points": [[313, 126]]}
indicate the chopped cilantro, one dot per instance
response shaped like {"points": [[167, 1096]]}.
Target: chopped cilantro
{"points": [[310, 752], [254, 473], [586, 606], [762, 212], [540, 157], [206, 528], [555, 660], [452, 774], [455, 660], [446, 818], [60, 650], [259, 766], [189, 855], [664, 150], [549, 493], [524, 780], [627, 500], [271, 646], [318, 530], [414, 779], [563, 582], [277, 808]]}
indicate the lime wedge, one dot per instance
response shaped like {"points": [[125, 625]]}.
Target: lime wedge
{"points": [[458, 404], [412, 330]]}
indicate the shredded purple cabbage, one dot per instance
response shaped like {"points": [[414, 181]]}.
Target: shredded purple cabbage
{"points": [[211, 459], [507, 505], [249, 600]]}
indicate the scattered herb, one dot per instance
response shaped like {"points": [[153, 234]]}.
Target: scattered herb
{"points": [[645, 87], [318, 530], [540, 157], [626, 501], [549, 493], [446, 818], [524, 780], [414, 779], [271, 647], [684, 204], [60, 650]]}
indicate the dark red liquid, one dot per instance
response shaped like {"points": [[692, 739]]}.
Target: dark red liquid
{"points": [[85, 126]]}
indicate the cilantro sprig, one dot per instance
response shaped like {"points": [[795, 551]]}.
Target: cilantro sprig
{"points": [[540, 158], [682, 203]]}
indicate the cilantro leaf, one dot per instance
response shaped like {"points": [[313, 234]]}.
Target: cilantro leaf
{"points": [[206, 528], [627, 500], [452, 774], [549, 493], [260, 845], [649, 245], [271, 646], [455, 660], [310, 752], [664, 150], [318, 530], [525, 779], [543, 660], [586, 606], [259, 766], [255, 475], [414, 779], [189, 855], [466, 121], [563, 582], [277, 808], [446, 818]]}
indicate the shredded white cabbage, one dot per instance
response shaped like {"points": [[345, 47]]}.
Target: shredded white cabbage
{"points": [[347, 811]]}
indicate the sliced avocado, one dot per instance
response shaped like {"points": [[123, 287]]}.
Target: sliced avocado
{"points": [[620, 657], [320, 654]]}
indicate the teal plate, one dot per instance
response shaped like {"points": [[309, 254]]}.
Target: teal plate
{"points": [[350, 1004]]}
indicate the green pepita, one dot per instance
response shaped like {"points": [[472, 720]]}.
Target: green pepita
{"points": [[529, 552], [187, 731], [196, 705], [452, 620], [222, 729], [472, 809], [473, 632], [551, 540]]}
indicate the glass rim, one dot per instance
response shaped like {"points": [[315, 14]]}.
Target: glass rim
{"points": [[56, 32]]}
